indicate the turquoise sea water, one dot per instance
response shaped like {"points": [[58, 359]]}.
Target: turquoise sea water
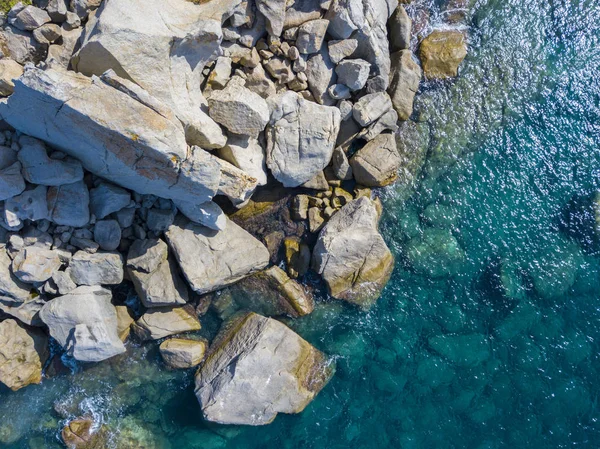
{"points": [[488, 333]]}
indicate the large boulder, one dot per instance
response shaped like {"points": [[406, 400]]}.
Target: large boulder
{"points": [[351, 255], [442, 52], [165, 321], [154, 274], [256, 368], [139, 145], [210, 259], [377, 163], [405, 78], [300, 138], [23, 353], [84, 322], [162, 46], [101, 268], [35, 264]]}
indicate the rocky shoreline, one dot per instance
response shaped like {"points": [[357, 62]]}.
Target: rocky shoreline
{"points": [[211, 154]]}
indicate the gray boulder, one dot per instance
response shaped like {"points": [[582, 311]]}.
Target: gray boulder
{"points": [[274, 13], [320, 72], [247, 154], [405, 78], [353, 73], [256, 368], [208, 214], [159, 220], [182, 353], [84, 323], [27, 313], [165, 321], [370, 107], [38, 168], [210, 260], [69, 204], [20, 46], [100, 268], [351, 255], [340, 49], [377, 163], [154, 274], [400, 27], [11, 181], [12, 290], [35, 264], [30, 205], [28, 18], [300, 138], [107, 234], [107, 198], [311, 36]]}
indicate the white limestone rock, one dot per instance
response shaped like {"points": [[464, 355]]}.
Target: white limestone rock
{"points": [[162, 322], [353, 73], [274, 13], [9, 71], [370, 107], [341, 49], [12, 290], [35, 264], [28, 18], [377, 163], [100, 268], [320, 72], [38, 168], [208, 214], [30, 205], [246, 154], [311, 36], [11, 181], [405, 78]]}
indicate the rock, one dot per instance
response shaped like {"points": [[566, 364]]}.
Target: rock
{"points": [[9, 71], [48, 33], [273, 293], [35, 264], [8, 156], [208, 214], [406, 76], [351, 255], [124, 322], [107, 234], [339, 92], [64, 283], [297, 256], [84, 323], [220, 74], [29, 18], [134, 145], [11, 181], [370, 107], [181, 353], [210, 260], [436, 253], [400, 27], [159, 220], [377, 163], [274, 12], [465, 351], [311, 35], [154, 274], [301, 11], [246, 154], [61, 52], [239, 110], [23, 353], [27, 313], [300, 138], [300, 207], [280, 69], [353, 73], [318, 182], [84, 433], [101, 268], [57, 10], [107, 198], [442, 52], [341, 49], [38, 168], [258, 82], [340, 164], [161, 322], [20, 46], [320, 75], [387, 122], [68, 205], [315, 219], [29, 205], [256, 368]]}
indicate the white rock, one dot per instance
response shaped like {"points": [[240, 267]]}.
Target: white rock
{"points": [[208, 214], [377, 163], [370, 107], [101, 268], [38, 168], [20, 46], [68, 204], [246, 154], [405, 79], [321, 74], [108, 198], [162, 322], [300, 138], [35, 264], [9, 71], [340, 49], [353, 73], [83, 7], [341, 166], [400, 29], [311, 36], [274, 12]]}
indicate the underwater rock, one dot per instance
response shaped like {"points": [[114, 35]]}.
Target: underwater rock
{"points": [[181, 353], [256, 368], [435, 253], [161, 322], [84, 433], [462, 350], [23, 353], [351, 255], [442, 52]]}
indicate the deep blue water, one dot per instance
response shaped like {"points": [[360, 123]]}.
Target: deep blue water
{"points": [[503, 352]]}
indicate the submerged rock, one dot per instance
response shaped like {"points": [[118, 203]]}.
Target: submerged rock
{"points": [[84, 433], [23, 353], [162, 322], [352, 256], [436, 253], [442, 52], [181, 353], [462, 350], [256, 368]]}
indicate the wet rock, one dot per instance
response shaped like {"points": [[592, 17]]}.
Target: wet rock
{"points": [[377, 163], [165, 321], [442, 52], [353, 73], [246, 154], [465, 351], [370, 107], [351, 255], [341, 49], [84, 323], [297, 256], [11, 181], [35, 264], [181, 353], [68, 205], [239, 110], [237, 384], [23, 353], [311, 36], [124, 322], [107, 234], [154, 274], [30, 205], [436, 253], [38, 168], [29, 18], [9, 71], [300, 138], [405, 79], [101, 268], [84, 433], [400, 27], [108, 198], [320, 73], [210, 260]]}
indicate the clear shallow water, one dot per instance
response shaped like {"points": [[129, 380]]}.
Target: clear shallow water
{"points": [[502, 354]]}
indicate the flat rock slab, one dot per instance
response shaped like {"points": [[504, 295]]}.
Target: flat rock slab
{"points": [[256, 368], [377, 163], [182, 353], [210, 259], [35, 264], [165, 321], [101, 268]]}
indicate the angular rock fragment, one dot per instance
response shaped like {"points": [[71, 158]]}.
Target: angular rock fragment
{"points": [[23, 353], [256, 368], [9, 71], [11, 181], [210, 260], [35, 264], [48, 33], [20, 46], [162, 322], [405, 78], [27, 313], [274, 12], [297, 256], [101, 268], [300, 138], [377, 163], [154, 274], [246, 154], [302, 11], [340, 164], [353, 73], [84, 323], [400, 27], [107, 234], [442, 52], [370, 107], [30, 205], [208, 214], [321, 74], [182, 353], [68, 205], [159, 220], [311, 35], [351, 255], [341, 49], [280, 69], [108, 198], [29, 18], [38, 168]]}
